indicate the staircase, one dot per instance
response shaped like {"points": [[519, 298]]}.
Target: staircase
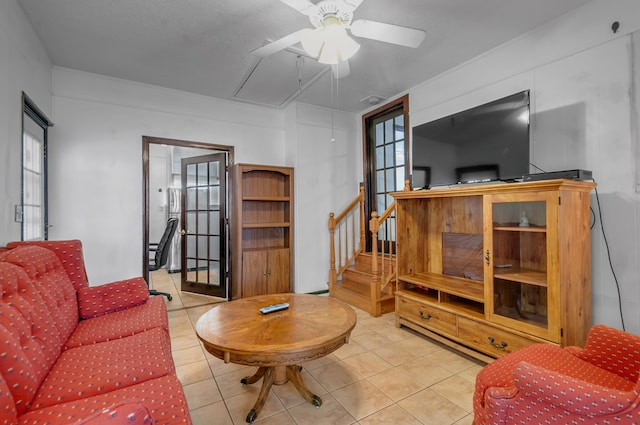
{"points": [[354, 287], [366, 280]]}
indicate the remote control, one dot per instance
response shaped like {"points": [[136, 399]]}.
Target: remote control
{"points": [[273, 308]]}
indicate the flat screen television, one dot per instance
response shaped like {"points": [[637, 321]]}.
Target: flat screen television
{"points": [[485, 143]]}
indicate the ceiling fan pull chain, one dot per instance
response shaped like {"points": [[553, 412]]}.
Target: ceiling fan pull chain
{"points": [[299, 62]]}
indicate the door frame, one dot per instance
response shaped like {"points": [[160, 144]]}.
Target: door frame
{"points": [[146, 141], [368, 154]]}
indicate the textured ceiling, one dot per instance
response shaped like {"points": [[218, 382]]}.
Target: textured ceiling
{"points": [[203, 46]]}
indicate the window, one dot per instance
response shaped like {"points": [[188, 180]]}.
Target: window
{"points": [[34, 171], [385, 159]]}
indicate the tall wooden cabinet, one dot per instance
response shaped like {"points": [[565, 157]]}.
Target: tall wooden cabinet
{"points": [[262, 230], [490, 269]]}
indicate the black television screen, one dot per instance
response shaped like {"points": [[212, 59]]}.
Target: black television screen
{"points": [[489, 142]]}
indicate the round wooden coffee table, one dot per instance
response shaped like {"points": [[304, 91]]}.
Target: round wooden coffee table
{"points": [[276, 343]]}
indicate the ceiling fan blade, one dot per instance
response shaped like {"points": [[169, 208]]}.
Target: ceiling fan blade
{"points": [[341, 69], [353, 4], [303, 6], [280, 44], [388, 33]]}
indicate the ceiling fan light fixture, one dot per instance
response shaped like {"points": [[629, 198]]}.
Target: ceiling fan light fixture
{"points": [[329, 43]]}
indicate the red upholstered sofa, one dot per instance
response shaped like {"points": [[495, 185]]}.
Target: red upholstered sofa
{"points": [[546, 384], [71, 353]]}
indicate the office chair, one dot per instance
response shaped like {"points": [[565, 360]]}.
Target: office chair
{"points": [[161, 250]]}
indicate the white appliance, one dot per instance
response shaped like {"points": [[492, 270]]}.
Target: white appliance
{"points": [[173, 263]]}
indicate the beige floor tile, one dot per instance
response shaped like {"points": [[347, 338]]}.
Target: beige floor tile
{"points": [[212, 414], [372, 340], [471, 373], [193, 372], [432, 409], [395, 356], [335, 375], [348, 350], [367, 364], [361, 399], [392, 415], [330, 413], [319, 362], [188, 355], [458, 390], [451, 361], [425, 373], [219, 367], [230, 383], [418, 345], [202, 393], [181, 342], [396, 384], [467, 420]]}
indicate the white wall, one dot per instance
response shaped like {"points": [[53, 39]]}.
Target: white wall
{"points": [[326, 180], [96, 157], [24, 67], [584, 93]]}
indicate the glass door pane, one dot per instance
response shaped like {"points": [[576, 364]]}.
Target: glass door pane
{"points": [[204, 250], [520, 276]]}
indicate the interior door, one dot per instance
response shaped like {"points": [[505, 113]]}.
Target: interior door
{"points": [[203, 234]]}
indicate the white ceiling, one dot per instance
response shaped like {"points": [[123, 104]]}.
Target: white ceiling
{"points": [[202, 46]]}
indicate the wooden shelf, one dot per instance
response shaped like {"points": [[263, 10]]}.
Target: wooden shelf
{"points": [[264, 225], [459, 286], [514, 274], [532, 229], [267, 198]]}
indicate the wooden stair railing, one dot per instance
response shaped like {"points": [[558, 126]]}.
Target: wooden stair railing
{"points": [[346, 226], [345, 248], [382, 255]]}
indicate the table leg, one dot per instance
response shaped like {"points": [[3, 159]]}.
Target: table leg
{"points": [[293, 375], [264, 391], [247, 380]]}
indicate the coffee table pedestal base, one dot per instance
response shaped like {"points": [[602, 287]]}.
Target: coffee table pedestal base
{"points": [[277, 375]]}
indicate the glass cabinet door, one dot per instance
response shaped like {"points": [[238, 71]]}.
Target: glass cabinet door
{"points": [[520, 263]]}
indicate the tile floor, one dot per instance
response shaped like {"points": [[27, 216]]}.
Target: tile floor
{"points": [[384, 375]]}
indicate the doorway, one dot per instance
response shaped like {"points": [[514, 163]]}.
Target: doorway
{"points": [[188, 180]]}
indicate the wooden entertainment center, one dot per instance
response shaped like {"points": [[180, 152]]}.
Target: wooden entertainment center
{"points": [[492, 268]]}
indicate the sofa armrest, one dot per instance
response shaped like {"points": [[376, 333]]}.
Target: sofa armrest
{"points": [[104, 299], [574, 395], [122, 413], [613, 350]]}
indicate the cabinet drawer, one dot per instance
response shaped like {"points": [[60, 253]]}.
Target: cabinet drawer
{"points": [[493, 341], [427, 315]]}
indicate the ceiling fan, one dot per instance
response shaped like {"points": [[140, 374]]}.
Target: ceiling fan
{"points": [[328, 41]]}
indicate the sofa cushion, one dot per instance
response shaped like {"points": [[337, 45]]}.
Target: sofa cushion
{"points": [[163, 396], [126, 412], [95, 369], [52, 282], [95, 301], [29, 341], [8, 414], [152, 314], [70, 254]]}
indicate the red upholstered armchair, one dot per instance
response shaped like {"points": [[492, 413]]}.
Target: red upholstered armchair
{"points": [[546, 384]]}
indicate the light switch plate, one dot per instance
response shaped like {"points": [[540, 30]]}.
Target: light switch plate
{"points": [[18, 214]]}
